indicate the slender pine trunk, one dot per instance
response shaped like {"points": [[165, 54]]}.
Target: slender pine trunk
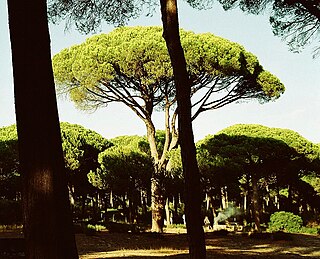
{"points": [[256, 203], [47, 216], [193, 199]]}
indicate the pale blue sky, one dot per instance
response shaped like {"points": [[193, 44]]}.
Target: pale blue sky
{"points": [[298, 109]]}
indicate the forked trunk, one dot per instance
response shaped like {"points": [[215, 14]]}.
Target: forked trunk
{"points": [[157, 189], [188, 151], [47, 217]]}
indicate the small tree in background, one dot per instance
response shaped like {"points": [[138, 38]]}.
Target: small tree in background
{"points": [[125, 173]]}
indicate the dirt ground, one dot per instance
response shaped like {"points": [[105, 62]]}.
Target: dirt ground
{"points": [[174, 245]]}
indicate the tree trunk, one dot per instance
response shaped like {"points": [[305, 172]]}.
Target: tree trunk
{"points": [[256, 204], [157, 191], [188, 152], [168, 214], [47, 217], [175, 216], [224, 197], [157, 203]]}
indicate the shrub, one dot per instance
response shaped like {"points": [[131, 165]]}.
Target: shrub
{"points": [[90, 230], [183, 226], [309, 230], [285, 221]]}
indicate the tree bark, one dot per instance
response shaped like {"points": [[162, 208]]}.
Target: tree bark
{"points": [[157, 192], [47, 216], [256, 203], [194, 222]]}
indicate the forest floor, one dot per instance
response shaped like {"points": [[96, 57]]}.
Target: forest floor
{"points": [[174, 245]]}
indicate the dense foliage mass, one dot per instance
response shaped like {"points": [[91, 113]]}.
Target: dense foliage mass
{"points": [[134, 61]]}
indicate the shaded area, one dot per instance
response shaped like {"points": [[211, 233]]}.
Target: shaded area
{"points": [[173, 245], [125, 245]]}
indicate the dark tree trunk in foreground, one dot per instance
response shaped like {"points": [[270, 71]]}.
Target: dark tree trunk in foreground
{"points": [[188, 151], [47, 217]]}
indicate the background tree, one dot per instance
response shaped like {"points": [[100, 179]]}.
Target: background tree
{"points": [[47, 218], [10, 181], [271, 159], [255, 158], [131, 65], [296, 21], [10, 184], [81, 148], [125, 174]]}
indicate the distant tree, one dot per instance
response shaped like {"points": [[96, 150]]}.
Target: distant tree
{"points": [[131, 66], [48, 227], [293, 139], [81, 148], [125, 172], [275, 152], [10, 184], [252, 156], [297, 21], [220, 173]]}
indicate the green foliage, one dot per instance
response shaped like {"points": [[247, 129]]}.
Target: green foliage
{"points": [[88, 16], [177, 226], [124, 166], [96, 227], [89, 230], [225, 158], [289, 137], [81, 146], [9, 163], [275, 159], [285, 221], [309, 230], [314, 181], [137, 57]]}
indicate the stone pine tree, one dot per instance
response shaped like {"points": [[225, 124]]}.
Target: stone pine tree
{"points": [[90, 16], [293, 157], [132, 66], [46, 210]]}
